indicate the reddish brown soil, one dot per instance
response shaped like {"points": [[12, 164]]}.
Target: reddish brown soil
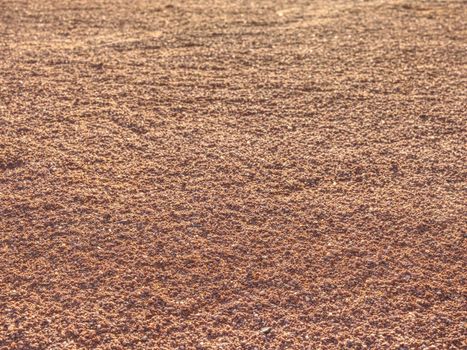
{"points": [[183, 175]]}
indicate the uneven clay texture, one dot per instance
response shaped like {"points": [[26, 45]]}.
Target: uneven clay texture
{"points": [[233, 174]]}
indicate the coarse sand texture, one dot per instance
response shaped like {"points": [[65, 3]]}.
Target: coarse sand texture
{"points": [[233, 175]]}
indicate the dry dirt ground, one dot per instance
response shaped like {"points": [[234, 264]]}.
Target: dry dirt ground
{"points": [[232, 174]]}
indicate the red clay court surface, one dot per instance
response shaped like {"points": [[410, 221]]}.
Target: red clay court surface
{"points": [[233, 174]]}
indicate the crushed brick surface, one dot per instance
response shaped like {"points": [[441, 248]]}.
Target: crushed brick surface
{"points": [[232, 174]]}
